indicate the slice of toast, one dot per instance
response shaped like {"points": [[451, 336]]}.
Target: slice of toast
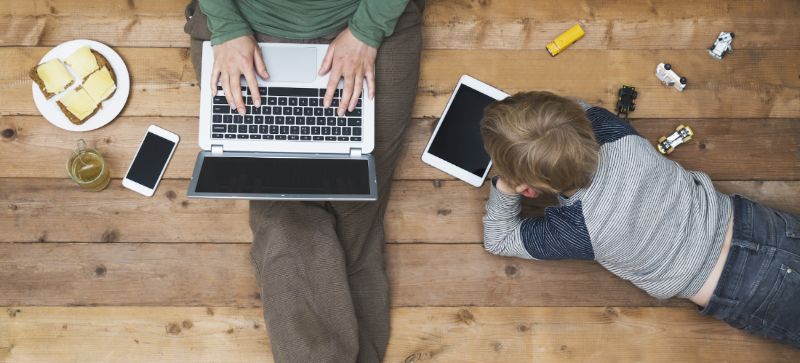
{"points": [[40, 82], [74, 119], [103, 62]]}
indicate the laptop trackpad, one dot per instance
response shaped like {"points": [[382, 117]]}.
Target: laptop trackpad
{"points": [[289, 64]]}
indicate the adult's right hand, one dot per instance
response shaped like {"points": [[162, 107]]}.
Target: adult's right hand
{"points": [[233, 59]]}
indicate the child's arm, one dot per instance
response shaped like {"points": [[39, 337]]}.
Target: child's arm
{"points": [[501, 224], [560, 234]]}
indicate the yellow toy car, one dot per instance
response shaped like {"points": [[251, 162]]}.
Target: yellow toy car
{"points": [[682, 135], [565, 40]]}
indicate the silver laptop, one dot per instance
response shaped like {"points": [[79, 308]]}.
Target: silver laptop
{"points": [[290, 148]]}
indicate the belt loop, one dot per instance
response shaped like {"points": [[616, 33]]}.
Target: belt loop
{"points": [[745, 244], [742, 218]]}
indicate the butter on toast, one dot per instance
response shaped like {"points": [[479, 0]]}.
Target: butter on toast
{"points": [[103, 62], [34, 74], [71, 116]]}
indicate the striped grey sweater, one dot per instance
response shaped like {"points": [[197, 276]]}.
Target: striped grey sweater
{"points": [[643, 217]]}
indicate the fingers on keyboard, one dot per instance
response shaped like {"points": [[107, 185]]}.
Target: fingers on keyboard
{"points": [[283, 115]]}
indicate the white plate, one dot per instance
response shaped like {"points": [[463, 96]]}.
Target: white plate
{"points": [[111, 107]]}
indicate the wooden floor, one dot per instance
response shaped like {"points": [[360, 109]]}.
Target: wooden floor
{"points": [[113, 276]]}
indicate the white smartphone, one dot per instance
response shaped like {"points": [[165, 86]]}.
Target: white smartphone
{"points": [[456, 146], [150, 161]]}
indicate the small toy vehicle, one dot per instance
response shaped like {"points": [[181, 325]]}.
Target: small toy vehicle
{"points": [[682, 135], [627, 100], [669, 78], [565, 40], [722, 45]]}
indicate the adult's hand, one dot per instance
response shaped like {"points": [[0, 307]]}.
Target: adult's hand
{"points": [[352, 59], [233, 59]]}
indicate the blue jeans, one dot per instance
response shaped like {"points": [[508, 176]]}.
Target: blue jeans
{"points": [[759, 289]]}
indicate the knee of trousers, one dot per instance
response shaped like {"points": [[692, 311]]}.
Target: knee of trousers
{"points": [[292, 228]]}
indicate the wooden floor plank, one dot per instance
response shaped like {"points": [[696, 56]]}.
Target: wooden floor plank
{"points": [[747, 84], [215, 334], [659, 24], [725, 149], [753, 84], [50, 210], [153, 274], [126, 30], [57, 210], [512, 24]]}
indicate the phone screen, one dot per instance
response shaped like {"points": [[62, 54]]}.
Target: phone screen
{"points": [[151, 160]]}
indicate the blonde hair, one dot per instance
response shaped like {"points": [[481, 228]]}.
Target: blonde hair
{"points": [[542, 140]]}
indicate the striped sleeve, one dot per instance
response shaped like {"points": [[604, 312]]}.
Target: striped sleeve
{"points": [[608, 127], [501, 224], [560, 234]]}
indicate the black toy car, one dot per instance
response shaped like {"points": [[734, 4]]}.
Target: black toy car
{"points": [[627, 100]]}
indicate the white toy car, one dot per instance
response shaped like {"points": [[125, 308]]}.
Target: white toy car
{"points": [[722, 45], [669, 78], [682, 135]]}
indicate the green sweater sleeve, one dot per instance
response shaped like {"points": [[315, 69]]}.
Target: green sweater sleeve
{"points": [[375, 20], [224, 20]]}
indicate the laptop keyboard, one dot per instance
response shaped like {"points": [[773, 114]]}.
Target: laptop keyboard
{"points": [[293, 114]]}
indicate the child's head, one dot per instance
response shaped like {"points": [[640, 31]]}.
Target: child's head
{"points": [[542, 140]]}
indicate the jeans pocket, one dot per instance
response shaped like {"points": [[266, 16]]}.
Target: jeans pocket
{"points": [[780, 310], [792, 224], [788, 238]]}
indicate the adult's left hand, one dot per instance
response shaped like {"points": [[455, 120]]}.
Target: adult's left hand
{"points": [[352, 59]]}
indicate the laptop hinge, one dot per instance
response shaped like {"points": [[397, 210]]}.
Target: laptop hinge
{"points": [[216, 149], [355, 153]]}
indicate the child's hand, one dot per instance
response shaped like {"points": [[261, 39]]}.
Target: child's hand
{"points": [[526, 191], [503, 187], [519, 189]]}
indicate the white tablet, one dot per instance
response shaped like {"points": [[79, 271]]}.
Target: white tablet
{"points": [[456, 146]]}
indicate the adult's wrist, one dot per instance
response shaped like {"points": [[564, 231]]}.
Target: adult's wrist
{"points": [[361, 36], [231, 35]]}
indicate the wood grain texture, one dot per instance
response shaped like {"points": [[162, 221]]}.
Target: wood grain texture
{"points": [[659, 24], [123, 28], [58, 210], [449, 334], [153, 274], [49, 210], [725, 149], [447, 24], [748, 84]]}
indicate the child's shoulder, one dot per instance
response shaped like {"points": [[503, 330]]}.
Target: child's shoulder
{"points": [[607, 126]]}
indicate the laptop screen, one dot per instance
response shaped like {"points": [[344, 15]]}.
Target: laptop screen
{"points": [[257, 175]]}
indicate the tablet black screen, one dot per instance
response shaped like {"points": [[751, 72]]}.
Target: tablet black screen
{"points": [[458, 140]]}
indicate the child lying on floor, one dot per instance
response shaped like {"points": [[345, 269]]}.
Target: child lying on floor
{"points": [[640, 215]]}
